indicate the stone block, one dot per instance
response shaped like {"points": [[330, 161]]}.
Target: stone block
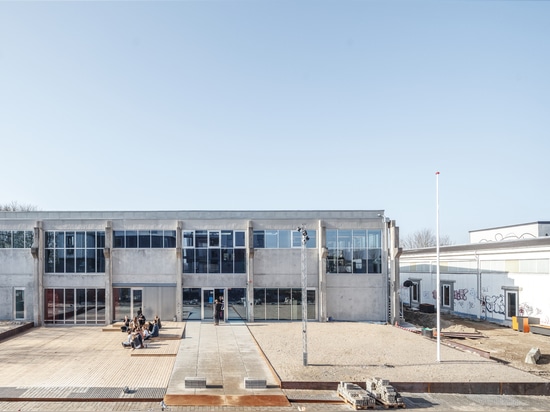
{"points": [[533, 356]]}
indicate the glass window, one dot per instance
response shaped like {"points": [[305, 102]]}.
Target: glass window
{"points": [[213, 260], [59, 260], [5, 239], [201, 238], [202, 260], [227, 260], [119, 241], [29, 238], [214, 238], [131, 239], [69, 240], [188, 239], [90, 260], [70, 261], [240, 260], [80, 261], [272, 239], [188, 260], [157, 238], [144, 238], [80, 239], [284, 239], [59, 239], [240, 239], [18, 239], [227, 238], [259, 239], [50, 239], [169, 238]]}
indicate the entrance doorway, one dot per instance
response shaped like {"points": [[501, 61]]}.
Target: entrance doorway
{"points": [[127, 302], [234, 303]]}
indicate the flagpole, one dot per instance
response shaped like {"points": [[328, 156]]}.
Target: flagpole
{"points": [[438, 290]]}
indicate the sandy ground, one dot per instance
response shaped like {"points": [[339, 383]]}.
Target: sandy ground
{"points": [[354, 351]]}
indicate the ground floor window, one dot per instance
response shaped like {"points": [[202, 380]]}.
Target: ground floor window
{"points": [[198, 303], [282, 304], [127, 302], [19, 303], [74, 306]]}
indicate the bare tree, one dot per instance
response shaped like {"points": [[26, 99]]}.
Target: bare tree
{"points": [[14, 206], [424, 238]]}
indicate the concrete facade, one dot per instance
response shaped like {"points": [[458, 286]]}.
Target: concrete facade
{"points": [[75, 271]]}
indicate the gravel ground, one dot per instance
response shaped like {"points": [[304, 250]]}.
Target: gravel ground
{"points": [[351, 351]]}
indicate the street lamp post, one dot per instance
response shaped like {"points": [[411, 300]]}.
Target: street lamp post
{"points": [[386, 220], [305, 238]]}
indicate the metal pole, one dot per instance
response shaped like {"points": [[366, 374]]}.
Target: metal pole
{"points": [[305, 238], [438, 291]]}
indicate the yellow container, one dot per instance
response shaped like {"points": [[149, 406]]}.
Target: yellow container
{"points": [[515, 322]]}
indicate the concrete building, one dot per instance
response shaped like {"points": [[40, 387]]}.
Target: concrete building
{"points": [[66, 268], [504, 272]]}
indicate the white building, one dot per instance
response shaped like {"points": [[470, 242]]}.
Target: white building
{"points": [[95, 267], [503, 272]]}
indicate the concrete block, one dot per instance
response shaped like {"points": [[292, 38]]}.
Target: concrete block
{"points": [[253, 383], [195, 382], [533, 356]]}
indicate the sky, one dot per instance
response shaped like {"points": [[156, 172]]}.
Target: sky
{"points": [[280, 105]]}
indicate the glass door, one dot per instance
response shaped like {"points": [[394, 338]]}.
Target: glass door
{"points": [[207, 304], [137, 301]]}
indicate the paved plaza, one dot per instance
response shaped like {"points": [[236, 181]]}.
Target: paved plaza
{"points": [[87, 369]]}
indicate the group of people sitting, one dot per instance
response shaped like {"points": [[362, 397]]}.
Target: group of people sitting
{"points": [[139, 331]]}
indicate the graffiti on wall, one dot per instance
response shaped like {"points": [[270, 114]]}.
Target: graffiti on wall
{"points": [[494, 304], [525, 309]]}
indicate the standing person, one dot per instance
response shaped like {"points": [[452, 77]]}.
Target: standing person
{"points": [[217, 310], [222, 307]]}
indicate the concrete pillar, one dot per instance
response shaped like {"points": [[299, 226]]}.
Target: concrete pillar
{"points": [[37, 251], [322, 287], [108, 248], [179, 273], [250, 272], [395, 252]]}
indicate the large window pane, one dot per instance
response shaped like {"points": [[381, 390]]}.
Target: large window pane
{"points": [[144, 238], [284, 239], [157, 238], [213, 260], [188, 260], [59, 260], [240, 260], [29, 238], [119, 239], [188, 237], [18, 239], [272, 304], [240, 239], [169, 238], [285, 304], [202, 260], [70, 261], [90, 261], [214, 238], [227, 238], [259, 239], [272, 239], [227, 260], [100, 311], [69, 306], [80, 260], [201, 238], [259, 304], [80, 306], [131, 239], [5, 239]]}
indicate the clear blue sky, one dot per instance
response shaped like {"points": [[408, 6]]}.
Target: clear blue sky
{"points": [[272, 105]]}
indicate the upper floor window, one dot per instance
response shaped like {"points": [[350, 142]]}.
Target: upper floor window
{"points": [[214, 251], [354, 251], [16, 239], [283, 239], [74, 252], [144, 239]]}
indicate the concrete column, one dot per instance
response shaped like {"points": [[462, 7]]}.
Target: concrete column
{"points": [[179, 273], [37, 251], [395, 252], [322, 287], [250, 272], [109, 310]]}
